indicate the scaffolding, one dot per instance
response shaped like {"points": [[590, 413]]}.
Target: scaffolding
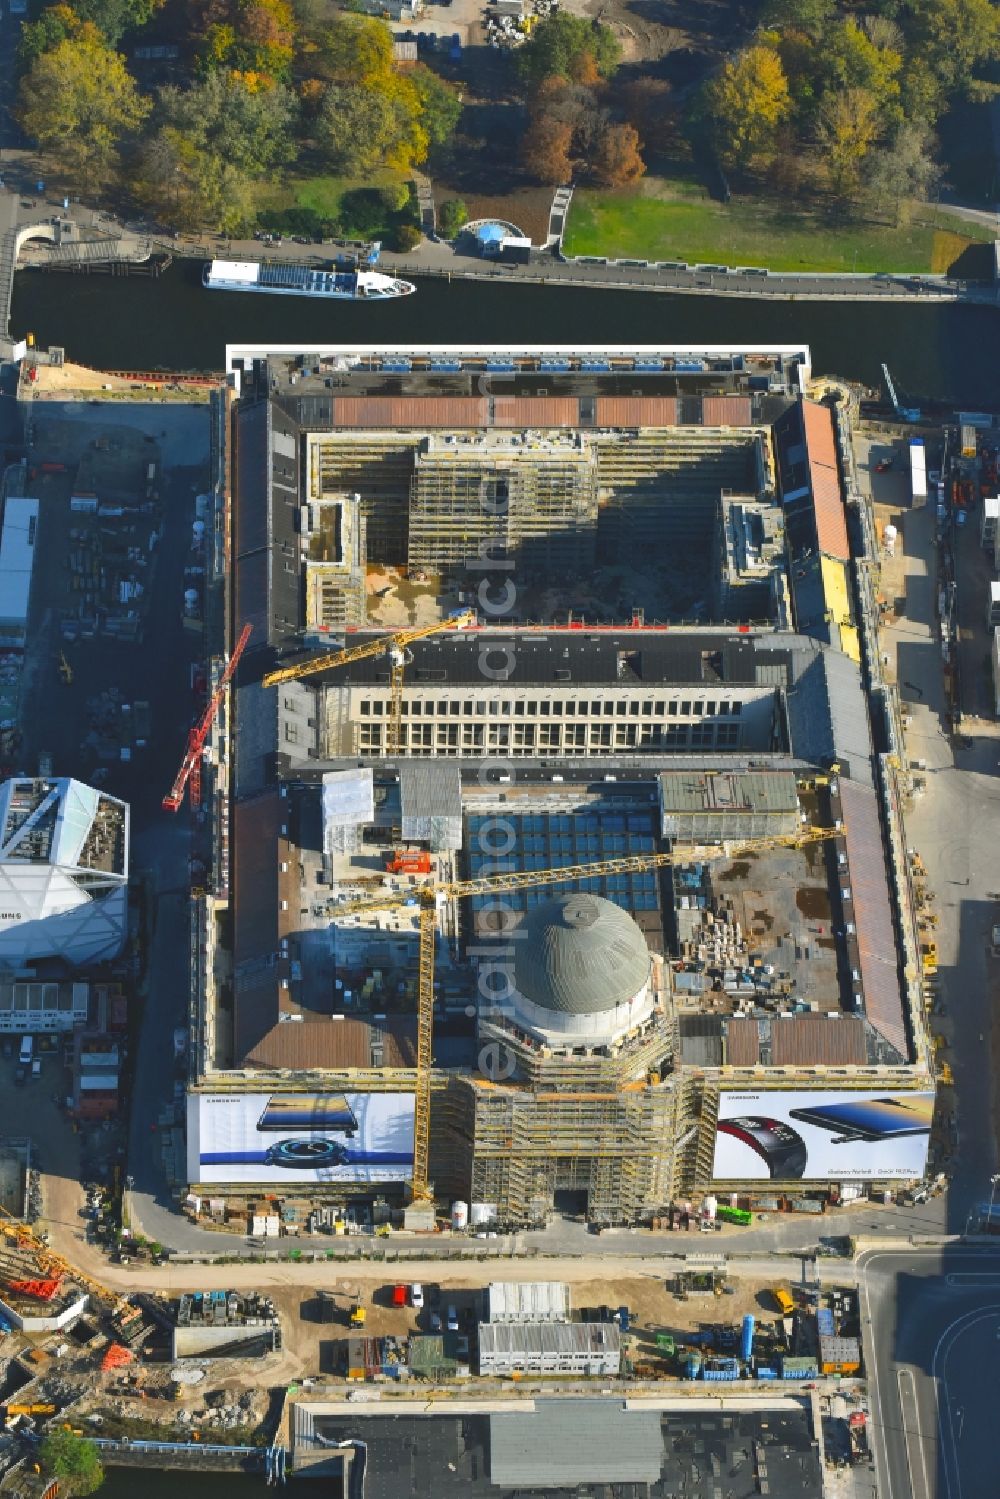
{"points": [[476, 498], [616, 1147], [660, 488], [377, 467]]}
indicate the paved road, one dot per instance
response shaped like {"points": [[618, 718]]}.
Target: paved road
{"points": [[952, 826], [931, 1327]]}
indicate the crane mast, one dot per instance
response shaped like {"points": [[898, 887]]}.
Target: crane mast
{"points": [[428, 896], [190, 771]]}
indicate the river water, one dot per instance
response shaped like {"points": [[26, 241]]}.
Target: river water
{"points": [[149, 1483], [945, 351]]}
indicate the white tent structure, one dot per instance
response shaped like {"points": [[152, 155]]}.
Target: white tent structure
{"points": [[64, 852]]}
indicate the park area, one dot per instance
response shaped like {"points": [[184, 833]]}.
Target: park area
{"points": [[666, 219]]}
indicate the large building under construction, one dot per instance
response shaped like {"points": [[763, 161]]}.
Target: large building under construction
{"points": [[609, 699]]}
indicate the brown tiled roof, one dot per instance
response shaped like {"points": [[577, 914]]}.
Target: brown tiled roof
{"points": [[636, 411], [818, 1040], [336, 1044], [410, 411], [872, 909], [742, 1043], [824, 476], [726, 411]]}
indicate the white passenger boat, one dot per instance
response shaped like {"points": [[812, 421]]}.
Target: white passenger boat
{"points": [[290, 280]]}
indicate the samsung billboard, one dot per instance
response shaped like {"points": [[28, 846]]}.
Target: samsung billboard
{"points": [[822, 1136], [300, 1137]]}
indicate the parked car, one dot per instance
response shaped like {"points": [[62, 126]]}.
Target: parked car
{"points": [[452, 1319], [435, 1321], [416, 1295], [20, 1074]]}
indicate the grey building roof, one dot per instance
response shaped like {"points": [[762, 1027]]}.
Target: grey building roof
{"points": [[430, 789], [700, 1040], [568, 1442], [728, 792], [827, 713], [580, 955], [876, 933]]}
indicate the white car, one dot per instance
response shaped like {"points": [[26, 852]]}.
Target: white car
{"points": [[416, 1295]]}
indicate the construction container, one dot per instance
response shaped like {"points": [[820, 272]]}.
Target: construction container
{"points": [[839, 1355], [825, 1325], [798, 1368], [718, 1370], [746, 1339]]}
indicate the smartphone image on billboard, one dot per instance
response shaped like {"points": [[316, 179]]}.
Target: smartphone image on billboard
{"points": [[329, 1112], [870, 1119]]}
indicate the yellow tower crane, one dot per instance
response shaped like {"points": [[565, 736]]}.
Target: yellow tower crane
{"points": [[428, 896], [395, 645]]}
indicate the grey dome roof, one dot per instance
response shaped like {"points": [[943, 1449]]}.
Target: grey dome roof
{"points": [[579, 954]]}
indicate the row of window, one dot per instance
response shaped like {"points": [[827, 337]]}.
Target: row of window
{"points": [[554, 708], [546, 739]]}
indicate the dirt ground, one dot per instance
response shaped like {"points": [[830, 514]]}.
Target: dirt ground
{"points": [[60, 381], [311, 1347]]}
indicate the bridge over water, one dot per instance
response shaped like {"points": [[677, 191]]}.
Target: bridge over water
{"points": [[72, 242]]}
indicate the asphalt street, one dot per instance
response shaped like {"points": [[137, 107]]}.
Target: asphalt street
{"points": [[931, 1328]]}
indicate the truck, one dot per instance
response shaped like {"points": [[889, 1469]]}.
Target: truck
{"points": [[857, 1428]]}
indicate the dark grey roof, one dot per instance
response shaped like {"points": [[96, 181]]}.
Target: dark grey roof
{"points": [[700, 1040], [704, 1454], [579, 954], [827, 713], [628, 657], [872, 912], [568, 1442], [265, 550]]}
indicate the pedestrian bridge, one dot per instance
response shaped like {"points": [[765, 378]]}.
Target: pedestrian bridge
{"points": [[67, 249]]}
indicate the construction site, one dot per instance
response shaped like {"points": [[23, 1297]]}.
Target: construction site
{"points": [[526, 905]]}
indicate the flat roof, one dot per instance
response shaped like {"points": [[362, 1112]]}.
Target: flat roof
{"points": [[726, 792], [702, 1452], [17, 558]]}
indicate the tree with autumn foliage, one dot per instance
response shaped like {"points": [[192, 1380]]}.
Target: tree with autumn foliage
{"points": [[745, 104], [79, 102], [545, 149], [567, 46], [249, 36], [616, 161]]}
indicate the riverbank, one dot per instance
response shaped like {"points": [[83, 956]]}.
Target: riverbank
{"points": [[440, 259]]}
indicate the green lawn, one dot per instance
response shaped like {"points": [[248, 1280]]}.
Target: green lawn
{"points": [[322, 194], [673, 221]]}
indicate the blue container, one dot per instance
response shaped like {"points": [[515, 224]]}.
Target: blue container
{"points": [[825, 1323], [746, 1339], [648, 366], [766, 1373], [554, 366]]}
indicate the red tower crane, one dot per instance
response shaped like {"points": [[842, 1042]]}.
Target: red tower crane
{"points": [[191, 764]]}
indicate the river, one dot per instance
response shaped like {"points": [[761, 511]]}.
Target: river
{"points": [[945, 351], [153, 1483]]}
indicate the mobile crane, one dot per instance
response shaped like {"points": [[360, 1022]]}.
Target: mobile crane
{"points": [[904, 413], [190, 771], [428, 897], [395, 645]]}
